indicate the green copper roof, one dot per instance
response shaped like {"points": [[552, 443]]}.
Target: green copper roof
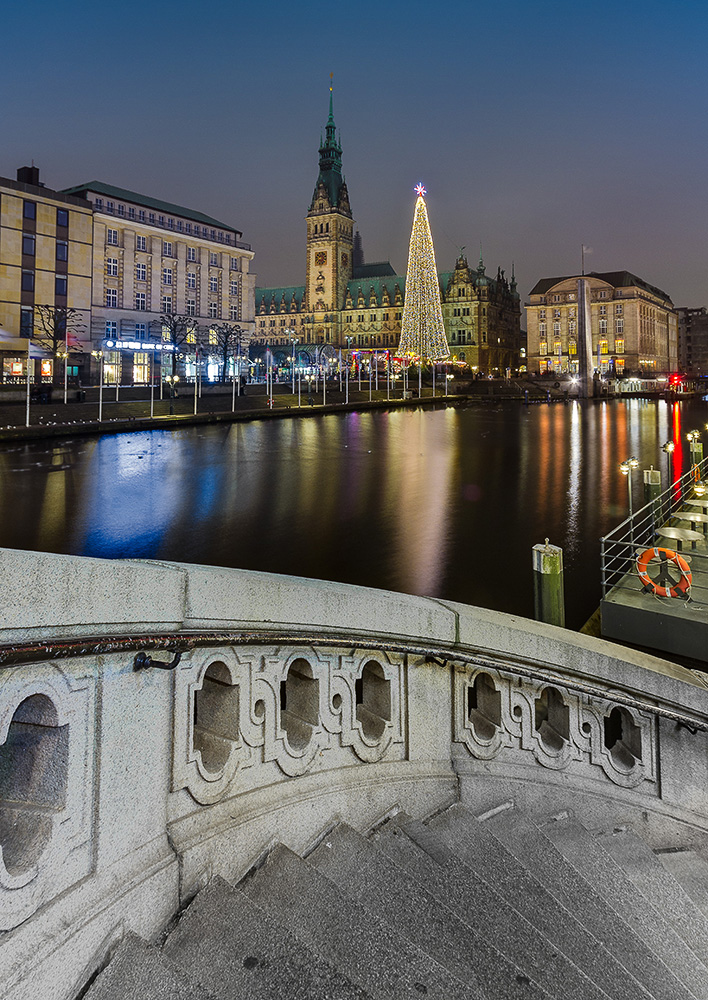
{"points": [[163, 207], [278, 294]]}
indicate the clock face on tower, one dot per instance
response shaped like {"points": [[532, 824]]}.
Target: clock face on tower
{"points": [[320, 258]]}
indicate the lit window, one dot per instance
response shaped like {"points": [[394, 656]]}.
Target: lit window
{"points": [[112, 297], [141, 243], [191, 279], [191, 337], [557, 347], [112, 237], [572, 347], [141, 272], [167, 276], [140, 303], [619, 346], [112, 267], [213, 338], [543, 347], [604, 347]]}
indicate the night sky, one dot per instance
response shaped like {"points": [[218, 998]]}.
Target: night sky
{"points": [[535, 126]]}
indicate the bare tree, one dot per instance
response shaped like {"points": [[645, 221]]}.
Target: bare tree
{"points": [[179, 330], [225, 340], [57, 330]]}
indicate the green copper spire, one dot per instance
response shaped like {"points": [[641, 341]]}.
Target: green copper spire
{"points": [[330, 162]]}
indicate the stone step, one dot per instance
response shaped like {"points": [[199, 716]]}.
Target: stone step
{"points": [[238, 953], [139, 971], [659, 887], [373, 879], [363, 947], [611, 884], [576, 929], [512, 932], [690, 871]]}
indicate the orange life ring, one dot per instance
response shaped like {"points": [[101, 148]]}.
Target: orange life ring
{"points": [[678, 589]]}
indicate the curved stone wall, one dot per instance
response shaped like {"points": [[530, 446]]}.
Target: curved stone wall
{"points": [[293, 704]]}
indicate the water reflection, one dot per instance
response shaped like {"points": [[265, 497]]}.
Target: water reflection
{"points": [[445, 503]]}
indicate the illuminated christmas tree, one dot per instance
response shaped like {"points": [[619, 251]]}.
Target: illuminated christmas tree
{"points": [[422, 330]]}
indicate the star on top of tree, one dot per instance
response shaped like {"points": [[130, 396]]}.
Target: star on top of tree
{"points": [[420, 190]]}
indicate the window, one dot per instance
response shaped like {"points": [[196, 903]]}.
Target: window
{"points": [[28, 246], [197, 230], [141, 272], [62, 250], [141, 242], [234, 263], [151, 218], [619, 346], [166, 304], [121, 210], [542, 330], [131, 212], [557, 347], [161, 220], [213, 234], [556, 330], [29, 210], [111, 329], [166, 335], [191, 253], [603, 327], [28, 281], [112, 297], [112, 266], [543, 347], [140, 303], [191, 307], [191, 337], [213, 284], [26, 322], [213, 338], [191, 279], [166, 249], [572, 347], [603, 310], [60, 284], [98, 203], [233, 287], [213, 310], [188, 228], [233, 313], [110, 207], [141, 331], [167, 276], [541, 313], [603, 294], [62, 217], [214, 259], [170, 223], [141, 215], [618, 309], [112, 237], [571, 326], [604, 347], [180, 226], [619, 326], [556, 313]]}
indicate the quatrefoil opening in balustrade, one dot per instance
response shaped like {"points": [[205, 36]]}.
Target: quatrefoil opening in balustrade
{"points": [[33, 782], [484, 707], [552, 719], [623, 739], [215, 717], [373, 700], [299, 704]]}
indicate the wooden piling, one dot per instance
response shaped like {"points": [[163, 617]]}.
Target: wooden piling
{"points": [[548, 587]]}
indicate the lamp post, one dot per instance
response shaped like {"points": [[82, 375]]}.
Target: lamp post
{"points": [[692, 438], [152, 385], [294, 341], [99, 355], [447, 382], [64, 355], [172, 381], [668, 450], [626, 470]]}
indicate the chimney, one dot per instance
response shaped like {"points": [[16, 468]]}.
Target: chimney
{"points": [[28, 175]]}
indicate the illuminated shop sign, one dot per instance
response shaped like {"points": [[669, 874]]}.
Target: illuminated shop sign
{"points": [[137, 345]]}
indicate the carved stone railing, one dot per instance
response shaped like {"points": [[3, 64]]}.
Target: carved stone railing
{"points": [[161, 723]]}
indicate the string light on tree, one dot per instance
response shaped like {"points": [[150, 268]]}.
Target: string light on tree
{"points": [[422, 329]]}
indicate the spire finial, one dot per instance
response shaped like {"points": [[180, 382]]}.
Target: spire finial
{"points": [[331, 88]]}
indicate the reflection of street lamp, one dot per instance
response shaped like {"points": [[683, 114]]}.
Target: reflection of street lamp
{"points": [[64, 355], [626, 470], [99, 355]]}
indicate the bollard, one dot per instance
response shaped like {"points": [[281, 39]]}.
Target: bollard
{"points": [[652, 484], [548, 593]]}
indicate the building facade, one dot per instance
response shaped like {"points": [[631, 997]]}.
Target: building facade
{"points": [[151, 260], [352, 305], [633, 325], [693, 341], [45, 276]]}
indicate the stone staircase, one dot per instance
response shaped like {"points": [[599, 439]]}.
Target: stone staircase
{"points": [[495, 907]]}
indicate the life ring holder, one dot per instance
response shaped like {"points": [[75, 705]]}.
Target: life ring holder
{"points": [[680, 589]]}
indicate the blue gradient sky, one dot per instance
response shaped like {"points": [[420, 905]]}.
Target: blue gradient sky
{"points": [[534, 125]]}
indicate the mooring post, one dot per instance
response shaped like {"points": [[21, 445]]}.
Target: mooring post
{"points": [[548, 590], [652, 492]]}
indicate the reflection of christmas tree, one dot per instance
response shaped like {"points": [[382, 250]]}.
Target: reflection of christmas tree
{"points": [[422, 330]]}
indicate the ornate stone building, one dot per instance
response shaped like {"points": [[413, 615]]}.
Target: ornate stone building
{"points": [[360, 306], [633, 325]]}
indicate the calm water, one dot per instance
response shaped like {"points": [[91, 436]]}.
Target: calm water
{"points": [[445, 503]]}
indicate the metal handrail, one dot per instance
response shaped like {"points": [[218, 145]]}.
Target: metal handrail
{"points": [[619, 548]]}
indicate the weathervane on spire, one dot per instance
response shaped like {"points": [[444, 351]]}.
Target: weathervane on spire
{"points": [[420, 190], [331, 79]]}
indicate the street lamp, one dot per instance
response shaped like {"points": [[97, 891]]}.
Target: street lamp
{"points": [[692, 438], [99, 355], [447, 382], [172, 381], [626, 470], [668, 450], [64, 355], [294, 341]]}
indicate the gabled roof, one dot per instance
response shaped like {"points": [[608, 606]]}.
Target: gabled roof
{"points": [[377, 285], [618, 279], [277, 294], [164, 207]]}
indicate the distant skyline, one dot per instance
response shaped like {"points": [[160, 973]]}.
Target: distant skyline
{"points": [[535, 127]]}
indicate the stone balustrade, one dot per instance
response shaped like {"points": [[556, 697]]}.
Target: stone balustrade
{"points": [[293, 704]]}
